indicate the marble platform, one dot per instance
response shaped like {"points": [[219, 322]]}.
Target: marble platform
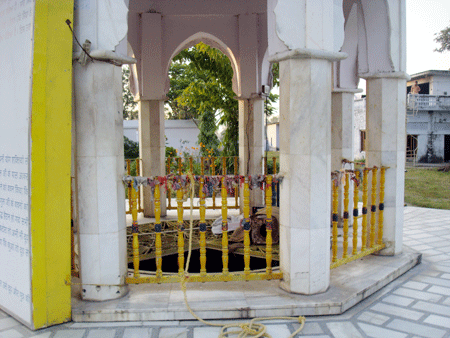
{"points": [[350, 284]]}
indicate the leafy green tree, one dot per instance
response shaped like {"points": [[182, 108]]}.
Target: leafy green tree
{"points": [[201, 82], [443, 38], [131, 148], [130, 111], [207, 138]]}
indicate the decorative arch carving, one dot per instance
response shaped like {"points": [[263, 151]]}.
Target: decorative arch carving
{"points": [[367, 42]]}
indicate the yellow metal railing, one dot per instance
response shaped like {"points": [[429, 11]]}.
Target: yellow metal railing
{"points": [[137, 165], [370, 239], [198, 166], [202, 166], [180, 183]]}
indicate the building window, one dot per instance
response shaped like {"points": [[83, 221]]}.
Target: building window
{"points": [[362, 140]]}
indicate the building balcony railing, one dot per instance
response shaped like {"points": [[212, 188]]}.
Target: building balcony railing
{"points": [[416, 102]]}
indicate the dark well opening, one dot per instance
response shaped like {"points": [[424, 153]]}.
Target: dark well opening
{"points": [[213, 262]]}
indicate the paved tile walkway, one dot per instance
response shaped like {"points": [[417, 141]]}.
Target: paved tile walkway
{"points": [[415, 305]]}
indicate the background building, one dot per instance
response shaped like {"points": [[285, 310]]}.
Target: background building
{"points": [[427, 119]]}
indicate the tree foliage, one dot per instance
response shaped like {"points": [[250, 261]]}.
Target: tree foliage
{"points": [[207, 137], [201, 83], [131, 148], [130, 111], [443, 38]]}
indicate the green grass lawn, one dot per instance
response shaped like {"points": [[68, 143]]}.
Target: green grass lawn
{"points": [[427, 188]]}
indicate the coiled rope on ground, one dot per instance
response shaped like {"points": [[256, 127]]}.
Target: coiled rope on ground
{"points": [[251, 329]]}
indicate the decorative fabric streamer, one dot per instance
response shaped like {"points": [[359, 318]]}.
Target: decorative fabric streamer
{"points": [[211, 183]]}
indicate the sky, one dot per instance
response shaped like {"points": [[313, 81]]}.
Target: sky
{"points": [[424, 18]]}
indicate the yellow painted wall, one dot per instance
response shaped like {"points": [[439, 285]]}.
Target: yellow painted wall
{"points": [[50, 162]]}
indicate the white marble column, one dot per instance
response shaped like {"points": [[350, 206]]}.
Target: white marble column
{"points": [[251, 142], [100, 168], [305, 146], [152, 149], [342, 135], [342, 126], [386, 146]]}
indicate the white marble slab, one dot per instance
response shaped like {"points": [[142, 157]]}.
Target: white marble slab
{"points": [[164, 302]]}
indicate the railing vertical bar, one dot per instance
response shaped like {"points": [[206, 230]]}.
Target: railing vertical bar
{"points": [[213, 173], [135, 231], [274, 161], [224, 165], [138, 173], [265, 165], [191, 165], [169, 160], [269, 224], [180, 167], [169, 191], [346, 215], [246, 227], [180, 232], [202, 230], [224, 229], [158, 244], [236, 189], [355, 214], [202, 166], [364, 211], [335, 222], [129, 186], [381, 206], [373, 207]]}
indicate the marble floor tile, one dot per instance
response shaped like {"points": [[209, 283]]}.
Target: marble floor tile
{"points": [[433, 280], [373, 318], [438, 321], [173, 332], [69, 334], [344, 330], [137, 333], [440, 290], [397, 311], [11, 333], [8, 322], [415, 285], [309, 328], [379, 332], [278, 331], [433, 308], [415, 328], [445, 249], [101, 333], [206, 332], [398, 300], [439, 258], [41, 335]]}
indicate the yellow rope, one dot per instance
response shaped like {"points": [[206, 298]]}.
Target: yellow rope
{"points": [[250, 329]]}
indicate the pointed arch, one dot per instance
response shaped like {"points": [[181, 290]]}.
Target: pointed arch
{"points": [[367, 42], [214, 42]]}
